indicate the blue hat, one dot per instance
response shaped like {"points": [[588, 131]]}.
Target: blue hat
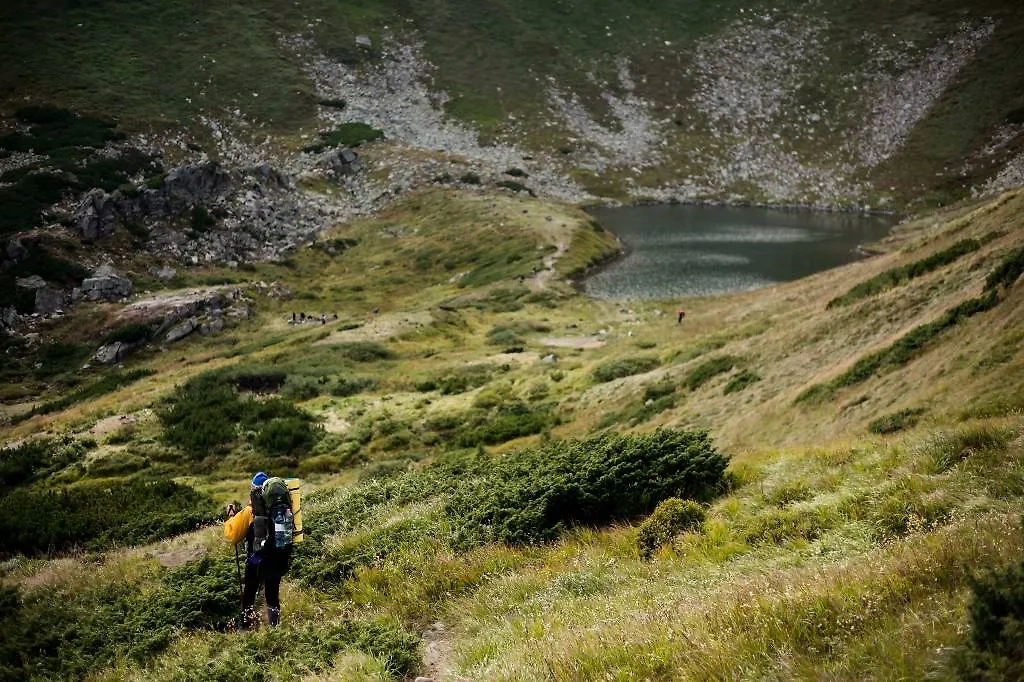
{"points": [[259, 479]]}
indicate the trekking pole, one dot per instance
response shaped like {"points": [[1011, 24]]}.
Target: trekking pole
{"points": [[241, 597]]}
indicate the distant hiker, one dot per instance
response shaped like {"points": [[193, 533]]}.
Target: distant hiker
{"points": [[302, 317], [268, 526], [293, 318], [323, 318], [682, 314]]}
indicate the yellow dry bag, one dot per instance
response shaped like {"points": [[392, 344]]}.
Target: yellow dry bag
{"points": [[295, 492]]}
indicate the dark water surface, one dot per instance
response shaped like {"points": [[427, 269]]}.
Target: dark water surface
{"points": [[679, 250]]}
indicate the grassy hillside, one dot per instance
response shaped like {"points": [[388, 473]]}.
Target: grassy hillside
{"points": [[454, 426], [166, 63]]}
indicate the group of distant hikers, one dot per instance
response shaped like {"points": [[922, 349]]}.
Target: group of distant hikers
{"points": [[271, 526]]}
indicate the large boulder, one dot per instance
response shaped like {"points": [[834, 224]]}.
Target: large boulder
{"points": [[104, 285], [48, 300], [182, 330], [342, 162], [97, 215], [14, 252], [8, 317], [32, 282], [191, 185], [111, 353]]}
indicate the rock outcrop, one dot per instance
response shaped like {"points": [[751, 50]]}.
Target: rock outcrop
{"points": [[104, 285]]}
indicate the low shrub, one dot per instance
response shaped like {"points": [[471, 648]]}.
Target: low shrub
{"points": [[108, 384], [670, 518], [363, 351], [466, 378], [97, 516], [35, 460], [743, 380], [515, 187], [469, 179], [532, 495], [789, 492], [906, 418], [944, 450], [910, 504], [903, 350], [624, 367], [346, 135], [53, 633], [206, 416], [276, 654], [659, 390], [709, 369], [517, 173], [1008, 271], [782, 525], [508, 421], [895, 277], [995, 647]]}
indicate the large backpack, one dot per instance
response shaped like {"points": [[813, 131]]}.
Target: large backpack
{"points": [[273, 522]]}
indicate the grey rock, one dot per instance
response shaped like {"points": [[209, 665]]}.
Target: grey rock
{"points": [[182, 330], [549, 358], [343, 162], [364, 42], [15, 251], [48, 300], [104, 285], [110, 353], [97, 215], [165, 272], [8, 317], [31, 282], [186, 186]]}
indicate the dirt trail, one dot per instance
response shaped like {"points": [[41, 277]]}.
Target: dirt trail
{"points": [[438, 655], [543, 278]]}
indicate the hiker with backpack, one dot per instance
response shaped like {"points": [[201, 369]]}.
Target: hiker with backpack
{"points": [[268, 526]]}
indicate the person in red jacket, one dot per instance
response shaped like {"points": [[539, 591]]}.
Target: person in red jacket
{"points": [[263, 567]]}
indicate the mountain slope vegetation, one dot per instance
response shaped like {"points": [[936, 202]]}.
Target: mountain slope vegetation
{"points": [[437, 541]]}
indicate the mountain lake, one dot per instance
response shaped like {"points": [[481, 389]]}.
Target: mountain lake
{"points": [[675, 250]]}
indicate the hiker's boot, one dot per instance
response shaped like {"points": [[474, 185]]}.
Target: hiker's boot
{"points": [[274, 616]]}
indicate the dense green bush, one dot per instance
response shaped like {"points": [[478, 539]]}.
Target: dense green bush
{"points": [[709, 369], [624, 367], [36, 459], [894, 277], [995, 649], [346, 135], [363, 351], [53, 633], [906, 418], [99, 515], [670, 518], [515, 187], [741, 381], [206, 415], [505, 422], [460, 379], [532, 495], [1008, 271]]}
